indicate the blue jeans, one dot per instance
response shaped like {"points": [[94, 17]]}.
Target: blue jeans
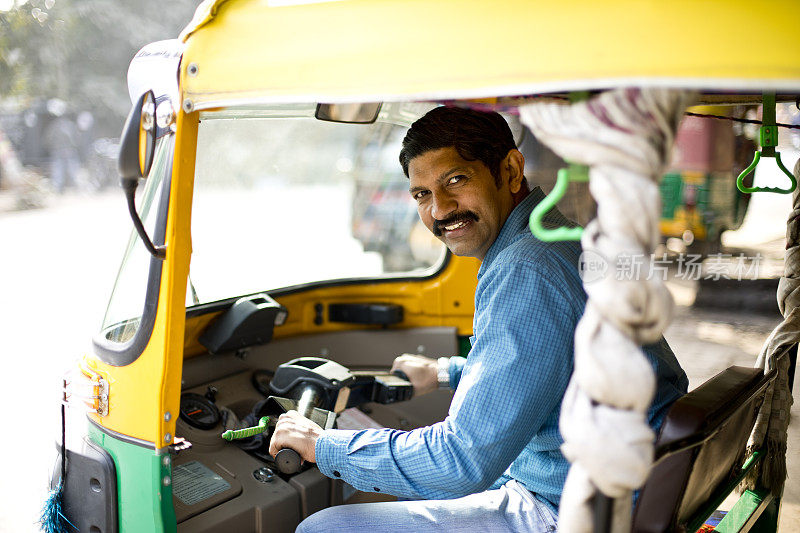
{"points": [[509, 508]]}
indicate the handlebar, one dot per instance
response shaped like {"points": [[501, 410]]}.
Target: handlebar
{"points": [[288, 461]]}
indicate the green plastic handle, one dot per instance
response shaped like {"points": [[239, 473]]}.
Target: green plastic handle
{"points": [[768, 138], [577, 173], [740, 180], [232, 434]]}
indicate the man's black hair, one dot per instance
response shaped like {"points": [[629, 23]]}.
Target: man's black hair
{"points": [[476, 135]]}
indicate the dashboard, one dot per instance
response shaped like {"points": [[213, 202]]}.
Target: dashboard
{"points": [[235, 486]]}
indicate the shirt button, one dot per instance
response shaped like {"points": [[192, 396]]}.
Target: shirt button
{"points": [[376, 489], [336, 473]]}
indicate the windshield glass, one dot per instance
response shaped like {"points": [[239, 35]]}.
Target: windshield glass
{"points": [[123, 315], [283, 199]]}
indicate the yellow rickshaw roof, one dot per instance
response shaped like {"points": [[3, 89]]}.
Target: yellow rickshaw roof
{"points": [[372, 50]]}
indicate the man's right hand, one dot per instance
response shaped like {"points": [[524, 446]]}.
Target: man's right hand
{"points": [[422, 372]]}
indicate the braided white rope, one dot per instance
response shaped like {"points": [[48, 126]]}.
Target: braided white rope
{"points": [[625, 136]]}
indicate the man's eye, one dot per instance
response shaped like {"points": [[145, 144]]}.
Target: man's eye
{"points": [[419, 195], [456, 179]]}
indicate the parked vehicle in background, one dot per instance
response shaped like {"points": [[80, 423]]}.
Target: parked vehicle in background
{"points": [[699, 197]]}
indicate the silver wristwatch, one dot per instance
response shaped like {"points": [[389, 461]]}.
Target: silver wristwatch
{"points": [[443, 374]]}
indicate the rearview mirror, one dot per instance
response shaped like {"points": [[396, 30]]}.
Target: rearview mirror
{"points": [[138, 139], [349, 113], [136, 150]]}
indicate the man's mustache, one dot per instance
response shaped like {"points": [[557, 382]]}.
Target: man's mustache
{"points": [[438, 225]]}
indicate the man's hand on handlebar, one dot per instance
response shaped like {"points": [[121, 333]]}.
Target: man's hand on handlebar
{"points": [[421, 371], [295, 432]]}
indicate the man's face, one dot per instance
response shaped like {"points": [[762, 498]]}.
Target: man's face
{"points": [[459, 200]]}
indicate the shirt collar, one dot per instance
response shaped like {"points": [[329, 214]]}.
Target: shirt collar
{"points": [[516, 223]]}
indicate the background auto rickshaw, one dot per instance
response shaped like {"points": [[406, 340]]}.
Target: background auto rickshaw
{"points": [[252, 123], [698, 192]]}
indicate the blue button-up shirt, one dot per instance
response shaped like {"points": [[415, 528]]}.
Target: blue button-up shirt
{"points": [[503, 421]]}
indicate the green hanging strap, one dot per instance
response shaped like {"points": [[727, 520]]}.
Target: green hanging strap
{"points": [[574, 172], [232, 434], [768, 138]]}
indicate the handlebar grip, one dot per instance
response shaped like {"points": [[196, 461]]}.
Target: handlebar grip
{"points": [[288, 461]]}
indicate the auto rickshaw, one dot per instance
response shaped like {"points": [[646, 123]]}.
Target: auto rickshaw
{"points": [[699, 196], [243, 289]]}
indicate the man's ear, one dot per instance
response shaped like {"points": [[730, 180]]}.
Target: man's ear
{"points": [[514, 167]]}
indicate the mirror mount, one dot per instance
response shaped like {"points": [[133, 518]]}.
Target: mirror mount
{"points": [[129, 187], [136, 150]]}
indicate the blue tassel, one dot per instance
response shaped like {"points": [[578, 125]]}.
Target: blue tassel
{"points": [[53, 519]]}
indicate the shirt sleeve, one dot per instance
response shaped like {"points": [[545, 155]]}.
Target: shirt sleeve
{"points": [[513, 380], [455, 369]]}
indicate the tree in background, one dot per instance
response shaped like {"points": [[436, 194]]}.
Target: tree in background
{"points": [[78, 51]]}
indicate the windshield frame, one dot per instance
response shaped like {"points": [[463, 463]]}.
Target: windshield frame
{"points": [[125, 353]]}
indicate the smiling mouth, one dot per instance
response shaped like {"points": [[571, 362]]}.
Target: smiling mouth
{"points": [[456, 230], [461, 221], [457, 225]]}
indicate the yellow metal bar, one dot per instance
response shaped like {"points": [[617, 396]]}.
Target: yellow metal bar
{"points": [[172, 303]]}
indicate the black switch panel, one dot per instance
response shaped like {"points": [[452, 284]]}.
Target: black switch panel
{"points": [[380, 314]]}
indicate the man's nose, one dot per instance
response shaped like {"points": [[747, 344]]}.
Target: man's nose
{"points": [[443, 205]]}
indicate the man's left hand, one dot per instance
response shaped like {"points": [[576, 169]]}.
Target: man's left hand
{"points": [[296, 432]]}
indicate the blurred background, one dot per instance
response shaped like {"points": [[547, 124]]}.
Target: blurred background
{"points": [[64, 223], [63, 92]]}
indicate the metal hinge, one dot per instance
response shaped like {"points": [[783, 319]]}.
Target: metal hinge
{"points": [[88, 387]]}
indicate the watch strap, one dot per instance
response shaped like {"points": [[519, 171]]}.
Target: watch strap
{"points": [[443, 373]]}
